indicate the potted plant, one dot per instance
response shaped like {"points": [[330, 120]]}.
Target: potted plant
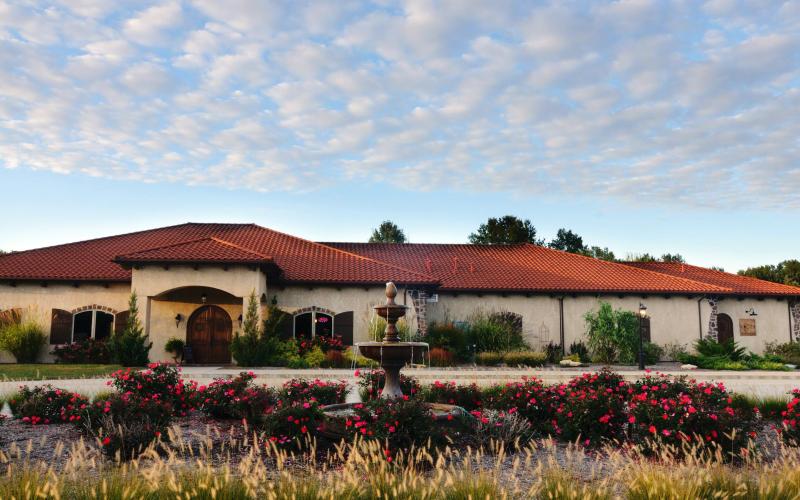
{"points": [[175, 347]]}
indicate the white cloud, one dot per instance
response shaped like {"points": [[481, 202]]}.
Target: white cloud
{"points": [[671, 102]]}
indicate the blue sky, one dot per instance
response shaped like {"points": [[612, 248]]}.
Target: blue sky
{"points": [[643, 126]]}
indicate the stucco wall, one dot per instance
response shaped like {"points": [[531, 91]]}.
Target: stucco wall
{"points": [[360, 300], [162, 323], [39, 301], [672, 320]]}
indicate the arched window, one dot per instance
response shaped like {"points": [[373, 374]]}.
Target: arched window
{"points": [[313, 322], [92, 324]]}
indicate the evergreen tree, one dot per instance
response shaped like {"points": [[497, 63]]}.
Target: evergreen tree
{"points": [[131, 346], [246, 347]]}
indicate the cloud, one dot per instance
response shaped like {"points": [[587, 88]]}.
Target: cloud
{"points": [[678, 103]]}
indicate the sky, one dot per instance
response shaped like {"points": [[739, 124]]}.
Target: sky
{"points": [[644, 126]]}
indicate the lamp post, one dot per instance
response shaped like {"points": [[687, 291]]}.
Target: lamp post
{"points": [[642, 316]]}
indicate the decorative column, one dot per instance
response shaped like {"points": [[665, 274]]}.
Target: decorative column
{"points": [[713, 326], [794, 307]]}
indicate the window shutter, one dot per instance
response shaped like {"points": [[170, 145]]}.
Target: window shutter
{"points": [[287, 327], [343, 327], [60, 327], [646, 330], [120, 320]]}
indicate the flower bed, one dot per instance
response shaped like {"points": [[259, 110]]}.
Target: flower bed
{"points": [[160, 381], [371, 384], [790, 417], [236, 398]]}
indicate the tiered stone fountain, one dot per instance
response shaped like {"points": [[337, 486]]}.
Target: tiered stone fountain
{"points": [[392, 354]]}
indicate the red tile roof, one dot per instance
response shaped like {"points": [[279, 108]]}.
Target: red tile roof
{"points": [[511, 268], [525, 267], [204, 250], [301, 261], [733, 283]]}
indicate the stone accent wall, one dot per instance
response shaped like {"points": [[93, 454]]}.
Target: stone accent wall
{"points": [[713, 326], [795, 308], [419, 299]]}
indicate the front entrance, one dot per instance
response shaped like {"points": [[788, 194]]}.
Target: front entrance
{"points": [[725, 328], [209, 335]]}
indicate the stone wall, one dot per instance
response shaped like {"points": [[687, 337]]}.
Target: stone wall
{"points": [[795, 310], [713, 325]]}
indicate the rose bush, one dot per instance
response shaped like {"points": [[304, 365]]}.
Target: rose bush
{"points": [[790, 418], [86, 351], [320, 391], [292, 425], [126, 424], [46, 405], [528, 397], [160, 381], [469, 397], [237, 398], [676, 411]]}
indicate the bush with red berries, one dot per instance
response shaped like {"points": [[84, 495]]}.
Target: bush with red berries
{"points": [[46, 405]]}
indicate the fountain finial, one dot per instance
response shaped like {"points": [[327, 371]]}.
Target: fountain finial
{"points": [[391, 292]]}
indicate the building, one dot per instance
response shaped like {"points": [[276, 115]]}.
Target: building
{"points": [[193, 281]]}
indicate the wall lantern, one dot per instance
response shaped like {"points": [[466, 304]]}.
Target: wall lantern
{"points": [[203, 298], [178, 319], [642, 310], [751, 311], [240, 319]]}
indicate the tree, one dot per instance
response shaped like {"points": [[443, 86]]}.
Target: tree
{"points": [[640, 257], [668, 257], [131, 346], [505, 231], [612, 334], [786, 272], [568, 241], [601, 253], [245, 347], [388, 232]]}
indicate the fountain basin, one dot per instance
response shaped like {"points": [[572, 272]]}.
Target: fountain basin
{"points": [[391, 352]]}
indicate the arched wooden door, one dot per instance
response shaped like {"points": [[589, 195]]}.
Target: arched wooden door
{"points": [[209, 335], [724, 328]]}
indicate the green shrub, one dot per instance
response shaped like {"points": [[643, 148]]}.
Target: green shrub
{"points": [[728, 349], [652, 353], [450, 337], [582, 352], [377, 328], [24, 340], [553, 352], [354, 358], [175, 347], [489, 358], [674, 351], [788, 352], [131, 346], [612, 334], [494, 332], [314, 358], [524, 358]]}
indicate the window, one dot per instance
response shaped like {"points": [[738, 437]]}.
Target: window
{"points": [[92, 324], [312, 324]]}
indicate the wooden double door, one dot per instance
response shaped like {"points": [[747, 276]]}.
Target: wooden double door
{"points": [[209, 335]]}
